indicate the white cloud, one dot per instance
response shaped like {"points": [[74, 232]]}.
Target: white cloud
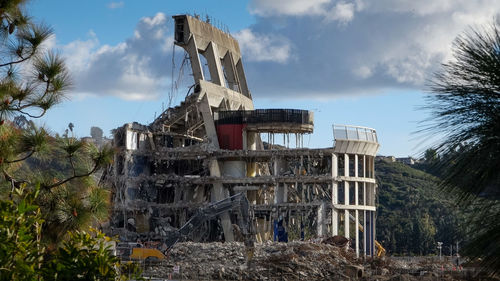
{"points": [[322, 48], [116, 5], [342, 12], [286, 7], [356, 46], [256, 47], [330, 10], [363, 71], [136, 69]]}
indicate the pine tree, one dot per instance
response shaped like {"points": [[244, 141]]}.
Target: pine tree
{"points": [[465, 109]]}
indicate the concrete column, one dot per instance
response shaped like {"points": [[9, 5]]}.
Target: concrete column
{"points": [[321, 223], [370, 228], [346, 193], [346, 196], [335, 194], [335, 168], [346, 165], [192, 50], [198, 196], [374, 230], [364, 189], [285, 193], [218, 191], [278, 194], [372, 160], [245, 139], [372, 166], [214, 64], [346, 224], [261, 230], [241, 76], [208, 121], [229, 67], [356, 224], [370, 239], [356, 165], [356, 193], [364, 232], [335, 215], [251, 140], [364, 166]]}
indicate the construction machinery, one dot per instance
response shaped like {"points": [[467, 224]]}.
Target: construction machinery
{"points": [[380, 250], [237, 203], [138, 251]]}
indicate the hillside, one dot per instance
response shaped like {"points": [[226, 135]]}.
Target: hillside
{"points": [[413, 214]]}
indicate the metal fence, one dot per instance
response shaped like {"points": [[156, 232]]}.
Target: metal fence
{"points": [[261, 116]]}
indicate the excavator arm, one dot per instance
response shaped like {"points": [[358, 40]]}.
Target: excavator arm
{"points": [[380, 250], [237, 202]]}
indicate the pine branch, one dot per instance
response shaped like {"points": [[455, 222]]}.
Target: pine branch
{"points": [[23, 158]]}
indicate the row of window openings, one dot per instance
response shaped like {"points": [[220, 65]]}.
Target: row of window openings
{"points": [[368, 200], [352, 167]]}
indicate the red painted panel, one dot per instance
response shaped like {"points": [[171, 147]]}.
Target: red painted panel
{"points": [[230, 136]]}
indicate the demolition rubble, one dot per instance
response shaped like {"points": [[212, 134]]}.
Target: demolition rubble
{"points": [[298, 260]]}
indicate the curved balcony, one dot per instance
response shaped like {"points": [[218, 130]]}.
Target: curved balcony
{"points": [[355, 140]]}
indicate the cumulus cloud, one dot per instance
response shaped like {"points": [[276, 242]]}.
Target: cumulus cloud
{"points": [[136, 69], [263, 47], [329, 10], [303, 48], [116, 5], [359, 46], [342, 12], [286, 7]]}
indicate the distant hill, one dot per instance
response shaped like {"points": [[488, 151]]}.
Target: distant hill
{"points": [[413, 214]]}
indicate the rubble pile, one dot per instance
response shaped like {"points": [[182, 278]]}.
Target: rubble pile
{"points": [[292, 261], [271, 261]]}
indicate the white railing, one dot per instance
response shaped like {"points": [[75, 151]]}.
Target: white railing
{"points": [[348, 132]]}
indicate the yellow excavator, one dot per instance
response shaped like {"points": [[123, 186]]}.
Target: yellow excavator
{"points": [[380, 250], [158, 251]]}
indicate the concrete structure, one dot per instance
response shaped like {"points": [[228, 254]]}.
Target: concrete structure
{"points": [[209, 147], [354, 187], [407, 160]]}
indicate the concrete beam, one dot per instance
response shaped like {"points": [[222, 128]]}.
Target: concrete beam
{"points": [[192, 50], [242, 78], [214, 65], [230, 69]]}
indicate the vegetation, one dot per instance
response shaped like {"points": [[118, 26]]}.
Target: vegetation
{"points": [[20, 228], [412, 215], [47, 198], [465, 109], [86, 255], [78, 202]]}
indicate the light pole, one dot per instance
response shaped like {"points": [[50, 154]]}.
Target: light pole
{"points": [[440, 246]]}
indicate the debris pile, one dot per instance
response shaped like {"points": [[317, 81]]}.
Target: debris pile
{"points": [[290, 261], [271, 261]]}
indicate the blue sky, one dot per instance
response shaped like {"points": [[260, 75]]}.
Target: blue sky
{"points": [[351, 61]]}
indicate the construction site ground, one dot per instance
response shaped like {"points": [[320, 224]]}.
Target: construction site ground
{"points": [[295, 261]]}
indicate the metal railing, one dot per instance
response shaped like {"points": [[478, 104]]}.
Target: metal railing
{"points": [[260, 116], [348, 132]]}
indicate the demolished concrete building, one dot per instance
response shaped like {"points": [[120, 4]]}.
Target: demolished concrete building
{"points": [[209, 147]]}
